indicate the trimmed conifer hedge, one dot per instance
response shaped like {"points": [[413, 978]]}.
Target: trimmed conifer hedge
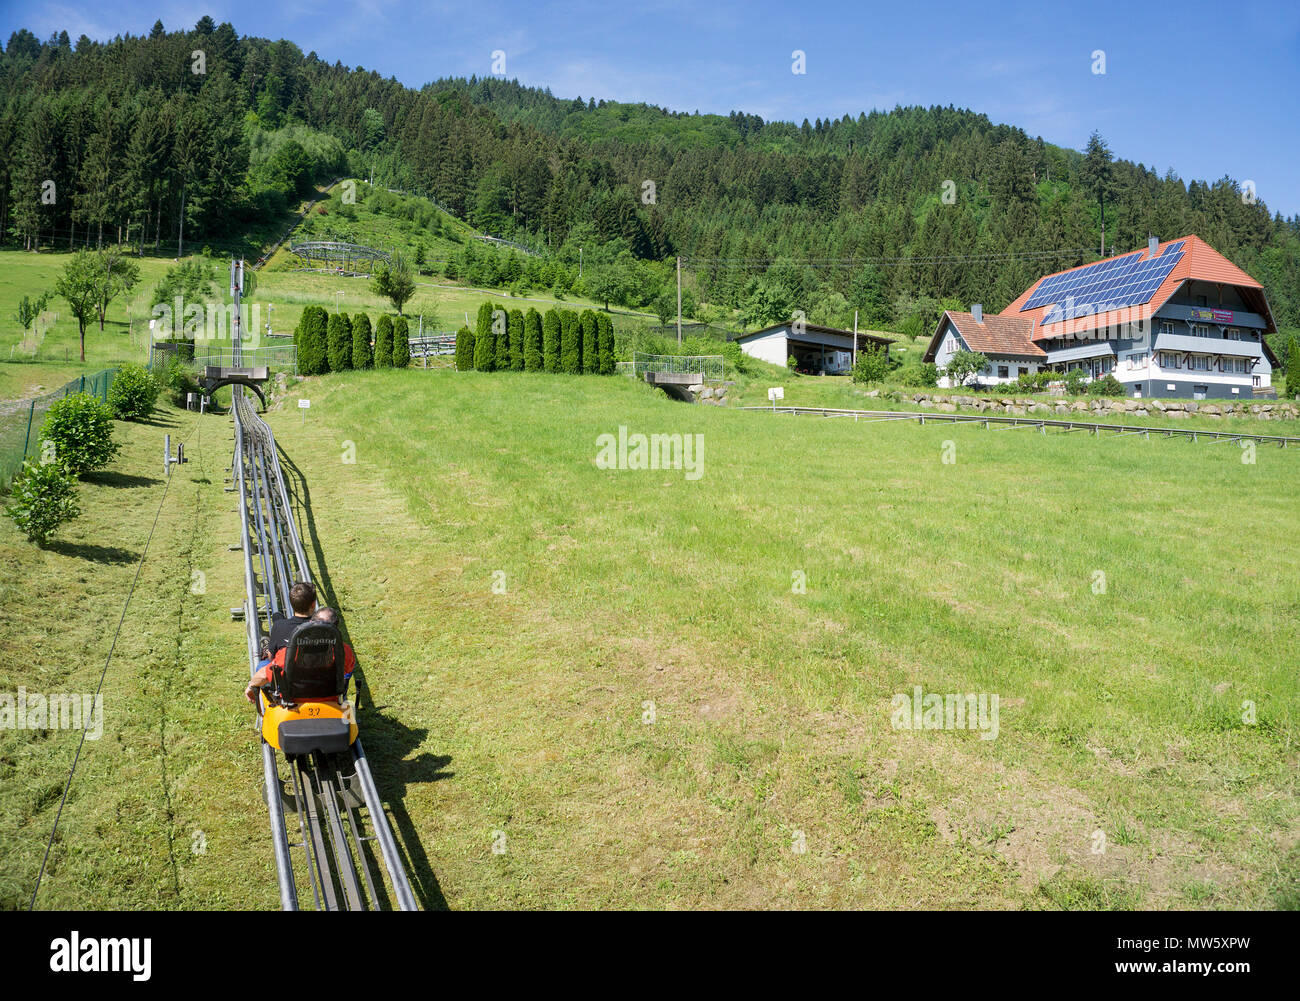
{"points": [[484, 342], [605, 336], [516, 324], [464, 350], [590, 358], [339, 335], [401, 343], [384, 342], [570, 343], [551, 341], [360, 341], [532, 341]]}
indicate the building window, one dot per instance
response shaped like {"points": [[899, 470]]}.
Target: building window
{"points": [[1200, 329], [1002, 372], [1232, 334], [1198, 392], [1166, 327]]}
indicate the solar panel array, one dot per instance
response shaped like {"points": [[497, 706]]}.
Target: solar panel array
{"points": [[1113, 284]]}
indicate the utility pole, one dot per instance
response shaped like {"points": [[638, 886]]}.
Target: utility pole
{"points": [[180, 240], [1103, 223], [679, 302], [579, 262], [855, 338]]}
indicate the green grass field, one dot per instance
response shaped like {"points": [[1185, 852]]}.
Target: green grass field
{"points": [[645, 705]]}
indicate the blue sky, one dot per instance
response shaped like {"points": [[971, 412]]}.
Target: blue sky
{"points": [[1206, 89]]}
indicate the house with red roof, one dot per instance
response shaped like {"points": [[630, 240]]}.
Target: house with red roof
{"points": [[1177, 319]]}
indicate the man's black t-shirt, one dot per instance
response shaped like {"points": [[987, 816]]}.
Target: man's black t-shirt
{"points": [[281, 628]]}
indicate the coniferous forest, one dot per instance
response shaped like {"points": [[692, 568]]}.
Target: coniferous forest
{"points": [[198, 134]]}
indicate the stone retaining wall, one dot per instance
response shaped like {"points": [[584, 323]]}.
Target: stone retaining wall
{"points": [[1102, 406]]}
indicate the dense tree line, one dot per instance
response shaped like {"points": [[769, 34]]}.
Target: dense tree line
{"points": [[134, 139]]}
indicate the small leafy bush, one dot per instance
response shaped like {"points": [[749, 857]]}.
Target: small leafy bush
{"points": [[177, 381], [1075, 381], [43, 497], [134, 393], [872, 366], [80, 428], [923, 376], [1107, 385]]}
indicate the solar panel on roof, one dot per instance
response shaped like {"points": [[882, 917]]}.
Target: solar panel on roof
{"points": [[1112, 284]]}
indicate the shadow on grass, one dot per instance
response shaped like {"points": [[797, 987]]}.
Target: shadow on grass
{"points": [[105, 478], [156, 423], [108, 555], [388, 741]]}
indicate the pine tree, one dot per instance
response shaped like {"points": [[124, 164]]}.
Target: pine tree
{"points": [[590, 357], [361, 357], [339, 335], [384, 342], [551, 341], [464, 350], [401, 343], [570, 343], [484, 343], [532, 341]]}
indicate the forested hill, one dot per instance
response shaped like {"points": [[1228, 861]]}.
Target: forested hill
{"points": [[136, 136]]}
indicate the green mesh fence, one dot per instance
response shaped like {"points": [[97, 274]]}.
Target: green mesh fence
{"points": [[21, 420]]}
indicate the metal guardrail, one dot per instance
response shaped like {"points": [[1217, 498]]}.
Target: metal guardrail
{"points": [[430, 345], [709, 368], [1041, 423], [281, 357]]}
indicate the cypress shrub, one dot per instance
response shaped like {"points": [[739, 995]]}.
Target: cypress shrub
{"points": [[605, 336], [464, 349], [339, 335], [516, 324], [384, 342], [532, 341], [590, 359], [360, 340], [401, 343], [484, 343], [570, 343], [501, 339], [551, 341], [313, 358]]}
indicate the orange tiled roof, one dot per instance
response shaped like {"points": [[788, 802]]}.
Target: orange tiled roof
{"points": [[997, 335], [1200, 261]]}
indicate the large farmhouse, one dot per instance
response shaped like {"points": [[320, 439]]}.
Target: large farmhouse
{"points": [[1175, 319]]}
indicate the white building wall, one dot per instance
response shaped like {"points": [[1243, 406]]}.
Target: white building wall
{"points": [[772, 347]]}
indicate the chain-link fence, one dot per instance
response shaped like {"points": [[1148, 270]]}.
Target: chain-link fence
{"points": [[21, 420]]}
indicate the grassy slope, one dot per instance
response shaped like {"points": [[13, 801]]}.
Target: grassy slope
{"points": [[522, 712], [1121, 711], [177, 750]]}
